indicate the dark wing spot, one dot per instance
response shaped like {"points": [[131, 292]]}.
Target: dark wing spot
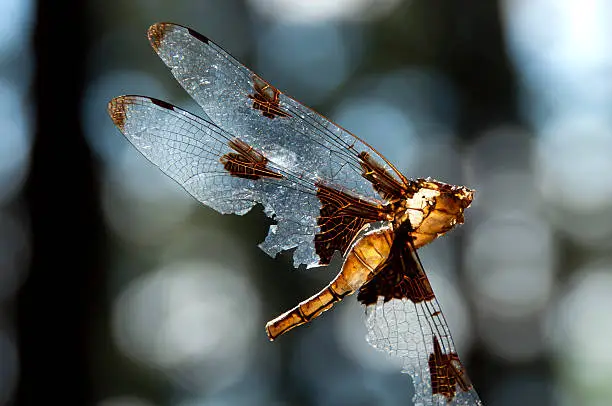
{"points": [[382, 181], [266, 99], [199, 36], [341, 217], [446, 372], [162, 104], [247, 162], [400, 276]]}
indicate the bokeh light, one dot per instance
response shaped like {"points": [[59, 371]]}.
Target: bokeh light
{"points": [[321, 10], [16, 18], [15, 142], [184, 293], [179, 319], [574, 175], [16, 127], [316, 58], [581, 335], [132, 181]]}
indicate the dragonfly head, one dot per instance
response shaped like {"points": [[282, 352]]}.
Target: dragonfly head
{"points": [[435, 208], [450, 199], [457, 198]]}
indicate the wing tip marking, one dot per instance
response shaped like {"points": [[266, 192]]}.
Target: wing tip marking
{"points": [[156, 34], [116, 109]]}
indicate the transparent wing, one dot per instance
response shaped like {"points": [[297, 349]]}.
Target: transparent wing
{"points": [[250, 108], [407, 330], [229, 175], [404, 319]]}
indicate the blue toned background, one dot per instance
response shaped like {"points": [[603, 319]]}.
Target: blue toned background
{"points": [[119, 289]]}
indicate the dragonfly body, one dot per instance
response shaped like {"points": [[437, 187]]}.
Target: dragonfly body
{"points": [[431, 211], [327, 190]]}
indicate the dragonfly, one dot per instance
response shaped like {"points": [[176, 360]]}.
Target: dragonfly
{"points": [[326, 190]]}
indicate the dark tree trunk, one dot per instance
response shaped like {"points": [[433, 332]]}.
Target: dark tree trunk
{"points": [[60, 302]]}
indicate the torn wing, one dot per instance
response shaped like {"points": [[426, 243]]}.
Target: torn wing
{"points": [[405, 320], [247, 106], [230, 175]]}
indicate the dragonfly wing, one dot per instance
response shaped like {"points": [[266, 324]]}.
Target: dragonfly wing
{"points": [[244, 104], [404, 319], [231, 176]]}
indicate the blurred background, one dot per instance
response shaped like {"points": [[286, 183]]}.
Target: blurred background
{"points": [[119, 289]]}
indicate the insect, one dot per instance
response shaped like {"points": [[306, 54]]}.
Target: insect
{"points": [[326, 189]]}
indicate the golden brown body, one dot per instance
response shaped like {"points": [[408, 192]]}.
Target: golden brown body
{"points": [[432, 211], [304, 170], [359, 267]]}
